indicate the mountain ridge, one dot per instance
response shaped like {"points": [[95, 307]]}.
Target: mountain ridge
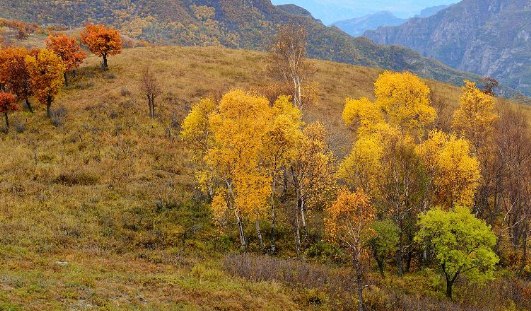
{"points": [[486, 37], [357, 26]]}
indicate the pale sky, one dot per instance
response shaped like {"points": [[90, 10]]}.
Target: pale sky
{"points": [[330, 11]]}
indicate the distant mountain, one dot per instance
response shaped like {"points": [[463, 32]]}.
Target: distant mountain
{"points": [[486, 37], [245, 24], [427, 12], [331, 11], [357, 26]]}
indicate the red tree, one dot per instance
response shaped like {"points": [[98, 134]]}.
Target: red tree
{"points": [[68, 49], [14, 74]]}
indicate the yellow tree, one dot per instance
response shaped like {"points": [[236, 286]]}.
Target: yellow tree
{"points": [[280, 147], [475, 119], [312, 176], [195, 131], [238, 128], [348, 223], [46, 70], [476, 116], [382, 161], [405, 100], [454, 171]]}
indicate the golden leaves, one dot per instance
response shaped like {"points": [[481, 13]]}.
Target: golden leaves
{"points": [[46, 70], [348, 219], [406, 101], [455, 171], [476, 116]]}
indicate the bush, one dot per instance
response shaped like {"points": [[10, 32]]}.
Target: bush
{"points": [[326, 252], [58, 116], [125, 92], [77, 179], [337, 284], [19, 127]]}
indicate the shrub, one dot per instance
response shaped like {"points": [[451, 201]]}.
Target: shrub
{"points": [[58, 116], [77, 179]]}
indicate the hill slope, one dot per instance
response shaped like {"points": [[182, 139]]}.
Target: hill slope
{"points": [[101, 211], [248, 24], [486, 37]]}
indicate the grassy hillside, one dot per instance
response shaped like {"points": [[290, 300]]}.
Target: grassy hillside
{"points": [[249, 24], [99, 209]]}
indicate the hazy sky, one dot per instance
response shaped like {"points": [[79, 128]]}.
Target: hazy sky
{"points": [[330, 11]]}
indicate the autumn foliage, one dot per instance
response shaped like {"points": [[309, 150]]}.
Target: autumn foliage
{"points": [[68, 50], [348, 223], [102, 41], [249, 152], [14, 74], [46, 70]]}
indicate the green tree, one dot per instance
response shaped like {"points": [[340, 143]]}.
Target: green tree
{"points": [[461, 242], [385, 243]]}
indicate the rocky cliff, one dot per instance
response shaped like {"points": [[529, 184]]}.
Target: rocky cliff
{"points": [[486, 37]]}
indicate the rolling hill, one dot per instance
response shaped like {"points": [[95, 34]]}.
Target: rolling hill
{"points": [[245, 24], [486, 37]]}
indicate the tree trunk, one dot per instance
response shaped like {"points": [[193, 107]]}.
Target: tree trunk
{"points": [[297, 96], [28, 104], [243, 242], [400, 251], [297, 233], [303, 217], [449, 281], [380, 262], [66, 78], [152, 106], [105, 64], [524, 255], [49, 106], [359, 278], [7, 121], [449, 285], [259, 233], [273, 219], [409, 259]]}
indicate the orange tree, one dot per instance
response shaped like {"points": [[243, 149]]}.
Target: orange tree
{"points": [[46, 71], [102, 41], [68, 49], [348, 223], [7, 104], [14, 74]]}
